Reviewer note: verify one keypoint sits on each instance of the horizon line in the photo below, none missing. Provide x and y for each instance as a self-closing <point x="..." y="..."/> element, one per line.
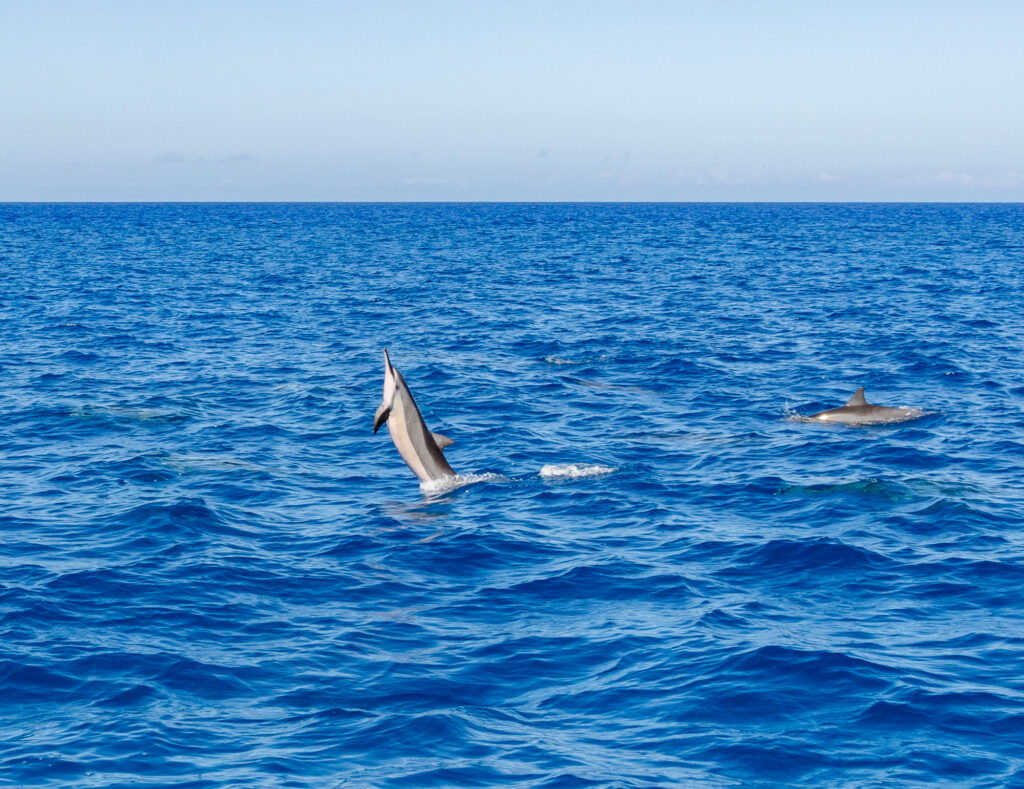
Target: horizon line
<point x="512" y="202"/>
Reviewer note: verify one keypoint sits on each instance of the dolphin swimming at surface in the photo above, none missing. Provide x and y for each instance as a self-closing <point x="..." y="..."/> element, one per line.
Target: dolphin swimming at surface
<point x="419" y="448"/>
<point x="858" y="411"/>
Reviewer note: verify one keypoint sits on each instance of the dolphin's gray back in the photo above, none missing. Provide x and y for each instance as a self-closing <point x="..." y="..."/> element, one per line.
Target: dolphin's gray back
<point x="858" y="411"/>
<point x="863" y="414"/>
<point x="413" y="439"/>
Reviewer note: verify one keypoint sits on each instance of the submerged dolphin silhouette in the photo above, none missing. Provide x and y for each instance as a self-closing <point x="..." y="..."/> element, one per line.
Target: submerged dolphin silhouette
<point x="858" y="411"/>
<point x="419" y="448"/>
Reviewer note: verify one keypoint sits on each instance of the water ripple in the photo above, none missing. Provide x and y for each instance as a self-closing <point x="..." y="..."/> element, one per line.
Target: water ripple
<point x="646" y="573"/>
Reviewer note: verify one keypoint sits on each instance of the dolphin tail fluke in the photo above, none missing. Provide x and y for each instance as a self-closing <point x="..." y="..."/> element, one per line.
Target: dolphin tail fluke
<point x="858" y="398"/>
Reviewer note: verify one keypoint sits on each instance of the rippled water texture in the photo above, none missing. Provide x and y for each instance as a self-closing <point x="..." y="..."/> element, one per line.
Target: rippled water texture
<point x="212" y="574"/>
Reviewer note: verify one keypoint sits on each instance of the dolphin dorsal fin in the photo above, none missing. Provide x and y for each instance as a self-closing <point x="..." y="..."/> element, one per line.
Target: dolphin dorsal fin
<point x="858" y="398"/>
<point x="442" y="441"/>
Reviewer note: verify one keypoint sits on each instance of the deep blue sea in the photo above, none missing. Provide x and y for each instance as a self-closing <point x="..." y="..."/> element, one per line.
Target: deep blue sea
<point x="213" y="574"/>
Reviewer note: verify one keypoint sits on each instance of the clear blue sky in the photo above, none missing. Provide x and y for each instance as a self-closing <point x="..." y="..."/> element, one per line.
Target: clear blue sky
<point x="486" y="100"/>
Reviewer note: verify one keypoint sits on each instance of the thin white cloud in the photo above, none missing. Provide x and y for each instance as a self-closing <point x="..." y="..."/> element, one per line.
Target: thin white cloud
<point x="1009" y="180"/>
<point x="238" y="158"/>
<point x="420" y="181"/>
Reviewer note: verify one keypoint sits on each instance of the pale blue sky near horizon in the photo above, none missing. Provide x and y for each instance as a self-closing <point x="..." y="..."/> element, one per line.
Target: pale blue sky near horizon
<point x="525" y="101"/>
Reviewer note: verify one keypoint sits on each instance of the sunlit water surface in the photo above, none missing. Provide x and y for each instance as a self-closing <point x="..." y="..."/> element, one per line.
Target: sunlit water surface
<point x="212" y="574"/>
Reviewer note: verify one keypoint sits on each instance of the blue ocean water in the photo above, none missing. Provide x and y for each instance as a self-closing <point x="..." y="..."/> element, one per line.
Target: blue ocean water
<point x="212" y="574"/>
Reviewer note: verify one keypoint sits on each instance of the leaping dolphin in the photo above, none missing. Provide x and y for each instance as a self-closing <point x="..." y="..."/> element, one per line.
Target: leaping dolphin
<point x="858" y="411"/>
<point x="419" y="448"/>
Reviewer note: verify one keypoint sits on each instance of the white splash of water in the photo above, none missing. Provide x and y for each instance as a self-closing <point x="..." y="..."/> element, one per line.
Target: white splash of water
<point x="573" y="470"/>
<point x="445" y="484"/>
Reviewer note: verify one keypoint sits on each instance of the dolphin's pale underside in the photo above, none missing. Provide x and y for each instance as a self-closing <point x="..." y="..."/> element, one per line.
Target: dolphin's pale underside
<point x="858" y="411"/>
<point x="420" y="449"/>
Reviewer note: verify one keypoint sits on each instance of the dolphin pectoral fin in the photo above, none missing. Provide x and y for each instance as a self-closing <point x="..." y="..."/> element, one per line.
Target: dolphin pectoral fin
<point x="388" y="398"/>
<point x="858" y="398"/>
<point x="381" y="416"/>
<point x="442" y="441"/>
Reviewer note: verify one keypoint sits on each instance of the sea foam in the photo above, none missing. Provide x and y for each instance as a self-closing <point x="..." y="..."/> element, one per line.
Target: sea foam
<point x="573" y="470"/>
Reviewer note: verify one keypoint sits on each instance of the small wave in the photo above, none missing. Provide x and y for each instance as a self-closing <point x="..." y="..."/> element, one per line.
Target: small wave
<point x="445" y="484"/>
<point x="191" y="463"/>
<point x="128" y="414"/>
<point x="560" y="360"/>
<point x="869" y="488"/>
<point x="573" y="470"/>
